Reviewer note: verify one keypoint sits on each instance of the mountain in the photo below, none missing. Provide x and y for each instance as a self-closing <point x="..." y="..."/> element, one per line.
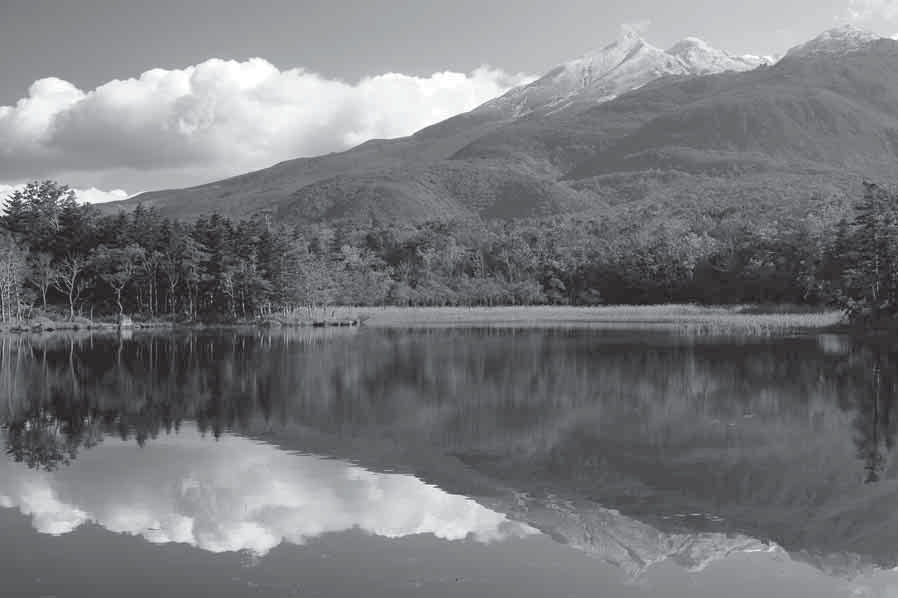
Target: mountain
<point x="624" y="65"/>
<point x="392" y="173"/>
<point x="606" y="130"/>
<point x="838" y="41"/>
<point x="813" y="110"/>
<point x="702" y="59"/>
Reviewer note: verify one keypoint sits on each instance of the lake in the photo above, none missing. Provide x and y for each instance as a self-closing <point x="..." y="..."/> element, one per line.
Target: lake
<point x="448" y="462"/>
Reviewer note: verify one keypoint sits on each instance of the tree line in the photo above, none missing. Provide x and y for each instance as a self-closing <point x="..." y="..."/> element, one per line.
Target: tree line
<point x="57" y="254"/>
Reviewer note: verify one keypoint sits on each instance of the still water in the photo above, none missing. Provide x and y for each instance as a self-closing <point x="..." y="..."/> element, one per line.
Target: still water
<point x="450" y="462"/>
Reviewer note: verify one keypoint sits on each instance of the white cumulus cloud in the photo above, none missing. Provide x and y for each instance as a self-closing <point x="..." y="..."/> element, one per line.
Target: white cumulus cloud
<point x="94" y="195"/>
<point x="872" y="10"/>
<point x="639" y="27"/>
<point x="90" y="195"/>
<point x="220" y="117"/>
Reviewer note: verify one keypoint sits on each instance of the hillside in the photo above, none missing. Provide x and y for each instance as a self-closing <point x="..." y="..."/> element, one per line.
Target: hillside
<point x="386" y="175"/>
<point x="261" y="190"/>
<point x="459" y="189"/>
<point x="820" y="111"/>
<point x="591" y="132"/>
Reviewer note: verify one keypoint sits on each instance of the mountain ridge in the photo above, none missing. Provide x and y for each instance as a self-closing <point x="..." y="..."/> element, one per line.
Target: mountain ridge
<point x="630" y="107"/>
<point x="623" y="65"/>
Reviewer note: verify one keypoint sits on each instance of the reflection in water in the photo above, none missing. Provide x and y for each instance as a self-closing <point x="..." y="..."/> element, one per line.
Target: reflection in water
<point x="877" y="434"/>
<point x="237" y="494"/>
<point x="636" y="449"/>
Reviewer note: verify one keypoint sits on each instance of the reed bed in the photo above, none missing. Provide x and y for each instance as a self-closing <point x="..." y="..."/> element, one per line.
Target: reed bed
<point x="681" y="318"/>
<point x="308" y="316"/>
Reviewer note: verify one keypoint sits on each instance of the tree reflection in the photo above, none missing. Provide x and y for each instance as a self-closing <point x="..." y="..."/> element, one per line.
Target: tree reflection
<point x="39" y="442"/>
<point x="779" y="439"/>
<point x="875" y="420"/>
<point x="586" y="405"/>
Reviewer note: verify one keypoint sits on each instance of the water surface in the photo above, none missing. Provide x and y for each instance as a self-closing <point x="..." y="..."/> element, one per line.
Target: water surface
<point x="450" y="462"/>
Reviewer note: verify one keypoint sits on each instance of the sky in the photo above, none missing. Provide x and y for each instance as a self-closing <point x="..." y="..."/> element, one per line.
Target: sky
<point x="115" y="97"/>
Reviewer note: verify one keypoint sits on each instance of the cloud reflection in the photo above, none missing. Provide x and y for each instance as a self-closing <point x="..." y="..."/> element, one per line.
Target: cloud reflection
<point x="236" y="494"/>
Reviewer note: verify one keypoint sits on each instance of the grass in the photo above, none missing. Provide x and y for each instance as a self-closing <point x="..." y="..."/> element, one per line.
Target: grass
<point x="690" y="319"/>
<point x="679" y="318"/>
<point x="48" y="324"/>
<point x="55" y="322"/>
<point x="52" y="322"/>
<point x="308" y="316"/>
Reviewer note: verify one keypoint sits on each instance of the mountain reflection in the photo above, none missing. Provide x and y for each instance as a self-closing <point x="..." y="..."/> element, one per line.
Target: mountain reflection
<point x="768" y="439"/>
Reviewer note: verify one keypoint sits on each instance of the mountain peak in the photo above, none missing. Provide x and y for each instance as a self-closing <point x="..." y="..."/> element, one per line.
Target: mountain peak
<point x="628" y="33"/>
<point x="628" y="41"/>
<point x="839" y="40"/>
<point x="688" y="43"/>
<point x="700" y="58"/>
<point x="627" y="63"/>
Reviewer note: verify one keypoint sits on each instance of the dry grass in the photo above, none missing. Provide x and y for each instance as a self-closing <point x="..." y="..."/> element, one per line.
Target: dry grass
<point x="691" y="319"/>
<point x="307" y="316"/>
<point x="686" y="318"/>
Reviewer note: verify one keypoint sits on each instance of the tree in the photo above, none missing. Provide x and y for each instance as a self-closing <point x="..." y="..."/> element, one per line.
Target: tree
<point x="117" y="267"/>
<point x="70" y="279"/>
<point x="42" y="274"/>
<point x="872" y="276"/>
<point x="16" y="216"/>
<point x="318" y="282"/>
<point x="36" y="212"/>
<point x="151" y="263"/>
<point x="192" y="267"/>
<point x="12" y="276"/>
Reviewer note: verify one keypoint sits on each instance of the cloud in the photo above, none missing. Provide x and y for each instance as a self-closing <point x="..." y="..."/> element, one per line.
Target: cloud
<point x="94" y="195"/>
<point x="237" y="494"/>
<point x="639" y="28"/>
<point x="872" y="10"/>
<point x="222" y="117"/>
<point x="90" y="195"/>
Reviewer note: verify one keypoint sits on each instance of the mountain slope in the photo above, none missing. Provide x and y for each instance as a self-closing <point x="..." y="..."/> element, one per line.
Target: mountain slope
<point x="262" y="190"/>
<point x="455" y="189"/>
<point x="579" y="138"/>
<point x="814" y="109"/>
<point x="387" y="172"/>
<point x="839" y="40"/>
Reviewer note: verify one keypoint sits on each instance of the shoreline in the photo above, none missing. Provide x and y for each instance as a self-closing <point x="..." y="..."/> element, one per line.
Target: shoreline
<point x="690" y="319"/>
<point x="685" y="318"/>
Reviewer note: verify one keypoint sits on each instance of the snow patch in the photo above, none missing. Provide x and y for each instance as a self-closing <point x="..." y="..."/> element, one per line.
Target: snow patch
<point x="624" y="65"/>
<point x="837" y="41"/>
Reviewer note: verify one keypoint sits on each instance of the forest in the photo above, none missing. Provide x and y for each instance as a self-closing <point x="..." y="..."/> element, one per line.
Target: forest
<point x="63" y="258"/>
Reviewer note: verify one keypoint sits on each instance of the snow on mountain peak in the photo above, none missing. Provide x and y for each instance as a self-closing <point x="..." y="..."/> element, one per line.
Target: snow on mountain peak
<point x="701" y="58"/>
<point x="690" y="43"/>
<point x="629" y="33"/>
<point x="625" y="64"/>
<point x="629" y="62"/>
<point x="839" y="40"/>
